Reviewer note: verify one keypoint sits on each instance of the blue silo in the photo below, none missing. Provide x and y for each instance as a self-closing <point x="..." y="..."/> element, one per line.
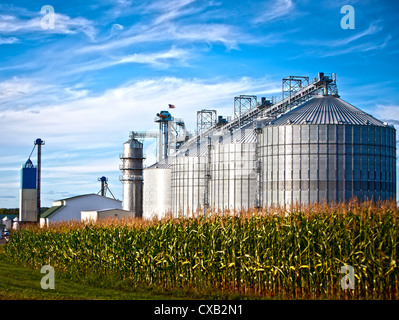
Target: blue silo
<point x="28" y="193"/>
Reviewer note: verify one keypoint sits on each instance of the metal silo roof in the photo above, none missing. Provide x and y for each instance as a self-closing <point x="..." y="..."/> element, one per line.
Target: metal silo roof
<point x="327" y="110"/>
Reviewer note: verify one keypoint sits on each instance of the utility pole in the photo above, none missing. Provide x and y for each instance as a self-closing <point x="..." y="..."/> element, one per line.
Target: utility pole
<point x="39" y="142"/>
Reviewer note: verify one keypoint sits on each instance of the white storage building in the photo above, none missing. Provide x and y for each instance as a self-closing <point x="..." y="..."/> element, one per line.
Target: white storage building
<point x="70" y="208"/>
<point x="95" y="215"/>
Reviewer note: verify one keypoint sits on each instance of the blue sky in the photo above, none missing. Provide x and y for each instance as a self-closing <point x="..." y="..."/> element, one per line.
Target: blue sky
<point x="109" y="66"/>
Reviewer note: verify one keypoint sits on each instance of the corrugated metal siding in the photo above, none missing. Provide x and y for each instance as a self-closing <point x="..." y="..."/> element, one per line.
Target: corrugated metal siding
<point x="233" y="183"/>
<point x="157" y="197"/>
<point x="308" y="163"/>
<point x="231" y="167"/>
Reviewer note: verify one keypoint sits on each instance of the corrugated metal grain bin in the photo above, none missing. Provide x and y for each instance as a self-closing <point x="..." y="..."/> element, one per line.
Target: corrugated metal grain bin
<point x="188" y="180"/>
<point x="327" y="150"/>
<point x="157" y="198"/>
<point x="233" y="184"/>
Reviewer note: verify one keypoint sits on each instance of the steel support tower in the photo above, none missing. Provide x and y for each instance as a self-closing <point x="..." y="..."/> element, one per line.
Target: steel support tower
<point x="205" y="119"/>
<point x="243" y="104"/>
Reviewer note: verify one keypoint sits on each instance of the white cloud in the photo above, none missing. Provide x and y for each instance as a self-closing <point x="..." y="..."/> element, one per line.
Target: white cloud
<point x="156" y="59"/>
<point x="67" y="25"/>
<point x="170" y="10"/>
<point x="372" y="29"/>
<point x="225" y="34"/>
<point x="8" y="40"/>
<point x="117" y="26"/>
<point x="179" y="22"/>
<point x="31" y="94"/>
<point x="360" y="42"/>
<point x="212" y="33"/>
<point x="274" y="10"/>
<point x="363" y="47"/>
<point x="108" y="118"/>
<point x="387" y="113"/>
<point x="16" y="88"/>
<point x="13" y="24"/>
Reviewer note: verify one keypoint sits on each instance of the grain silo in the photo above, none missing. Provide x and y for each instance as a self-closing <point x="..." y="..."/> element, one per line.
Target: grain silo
<point x="327" y="150"/>
<point x="28" y="193"/>
<point x="188" y="179"/>
<point x="310" y="146"/>
<point x="217" y="172"/>
<point x="232" y="174"/>
<point x="132" y="178"/>
<point x="157" y="200"/>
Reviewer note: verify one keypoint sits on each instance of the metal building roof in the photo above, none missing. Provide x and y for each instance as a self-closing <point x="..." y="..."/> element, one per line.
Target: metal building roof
<point x="326" y="110"/>
<point x="49" y="212"/>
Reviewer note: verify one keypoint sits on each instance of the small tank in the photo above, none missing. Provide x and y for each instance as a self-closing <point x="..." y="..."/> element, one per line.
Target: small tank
<point x="132" y="177"/>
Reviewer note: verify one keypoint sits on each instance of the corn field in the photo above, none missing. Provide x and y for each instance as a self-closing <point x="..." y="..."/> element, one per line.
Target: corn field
<point x="275" y="252"/>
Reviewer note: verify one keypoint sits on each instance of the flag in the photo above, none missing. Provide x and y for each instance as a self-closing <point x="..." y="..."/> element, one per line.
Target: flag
<point x="171" y="106"/>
